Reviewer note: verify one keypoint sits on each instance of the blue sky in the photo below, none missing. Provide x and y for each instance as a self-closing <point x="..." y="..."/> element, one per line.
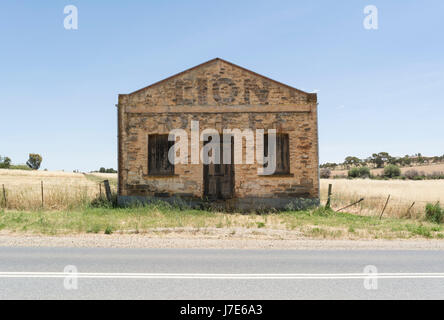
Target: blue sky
<point x="379" y="90"/>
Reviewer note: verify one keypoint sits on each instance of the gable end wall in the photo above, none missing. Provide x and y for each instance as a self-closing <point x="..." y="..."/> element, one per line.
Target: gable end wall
<point x="219" y="95"/>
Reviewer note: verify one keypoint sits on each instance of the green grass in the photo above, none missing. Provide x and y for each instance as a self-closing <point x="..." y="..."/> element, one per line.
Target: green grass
<point x="260" y="224"/>
<point x="158" y="218"/>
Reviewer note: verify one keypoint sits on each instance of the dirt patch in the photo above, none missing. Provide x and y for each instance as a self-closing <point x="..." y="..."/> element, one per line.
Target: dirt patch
<point x="234" y="239"/>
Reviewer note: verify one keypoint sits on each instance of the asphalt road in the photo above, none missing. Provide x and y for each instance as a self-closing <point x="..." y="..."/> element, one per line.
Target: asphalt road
<point x="97" y="273"/>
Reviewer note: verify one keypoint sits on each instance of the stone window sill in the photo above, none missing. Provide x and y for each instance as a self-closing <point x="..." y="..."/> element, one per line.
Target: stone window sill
<point x="277" y="175"/>
<point x="160" y="175"/>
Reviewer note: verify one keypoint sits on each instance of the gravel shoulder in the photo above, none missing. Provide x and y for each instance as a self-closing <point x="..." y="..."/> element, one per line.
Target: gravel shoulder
<point x="185" y="239"/>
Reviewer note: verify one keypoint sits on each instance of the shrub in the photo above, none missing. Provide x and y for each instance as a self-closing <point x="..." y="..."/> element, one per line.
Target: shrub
<point x="421" y="175"/>
<point x="411" y="174"/>
<point x="363" y="172"/>
<point x="353" y="173"/>
<point x="434" y="213"/>
<point x="108" y="230"/>
<point x="435" y="175"/>
<point x="5" y="162"/>
<point x="102" y="202"/>
<point x="325" y="173"/>
<point x="299" y="204"/>
<point x="392" y="171"/>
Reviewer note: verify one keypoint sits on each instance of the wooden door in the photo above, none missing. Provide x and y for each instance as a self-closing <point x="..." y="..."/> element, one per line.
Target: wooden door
<point x="219" y="178"/>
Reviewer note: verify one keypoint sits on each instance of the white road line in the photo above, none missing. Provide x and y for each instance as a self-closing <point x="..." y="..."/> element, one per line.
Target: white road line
<point x="242" y="276"/>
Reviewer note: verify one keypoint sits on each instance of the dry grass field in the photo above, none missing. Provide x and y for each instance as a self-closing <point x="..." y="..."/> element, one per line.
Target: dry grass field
<point x="61" y="190"/>
<point x="427" y="169"/>
<point x="67" y="210"/>
<point x="375" y="192"/>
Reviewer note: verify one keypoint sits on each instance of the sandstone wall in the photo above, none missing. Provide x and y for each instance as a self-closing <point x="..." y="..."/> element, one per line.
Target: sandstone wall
<point x="222" y="96"/>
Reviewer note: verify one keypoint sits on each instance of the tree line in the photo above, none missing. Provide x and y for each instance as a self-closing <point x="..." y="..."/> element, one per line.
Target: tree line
<point x="34" y="162"/>
<point x="381" y="159"/>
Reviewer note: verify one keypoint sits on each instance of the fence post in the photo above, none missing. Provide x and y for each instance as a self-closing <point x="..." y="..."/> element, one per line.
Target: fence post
<point x="327" y="205"/>
<point x="42" y="192"/>
<point x="4" y="196"/>
<point x="107" y="190"/>
<point x="100" y="190"/>
<point x="388" y="198"/>
<point x="408" y="211"/>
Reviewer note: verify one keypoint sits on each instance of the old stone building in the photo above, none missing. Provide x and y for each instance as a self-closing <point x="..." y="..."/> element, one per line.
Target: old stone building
<point x="220" y="95"/>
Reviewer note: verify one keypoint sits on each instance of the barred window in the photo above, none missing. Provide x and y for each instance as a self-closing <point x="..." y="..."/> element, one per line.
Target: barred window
<point x="282" y="153"/>
<point x="158" y="163"/>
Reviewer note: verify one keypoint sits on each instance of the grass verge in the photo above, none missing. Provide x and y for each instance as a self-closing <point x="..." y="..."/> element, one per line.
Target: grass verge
<point x="161" y="219"/>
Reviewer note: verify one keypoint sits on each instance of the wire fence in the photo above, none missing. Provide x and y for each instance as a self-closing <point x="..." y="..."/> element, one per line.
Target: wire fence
<point x="377" y="205"/>
<point x="53" y="196"/>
